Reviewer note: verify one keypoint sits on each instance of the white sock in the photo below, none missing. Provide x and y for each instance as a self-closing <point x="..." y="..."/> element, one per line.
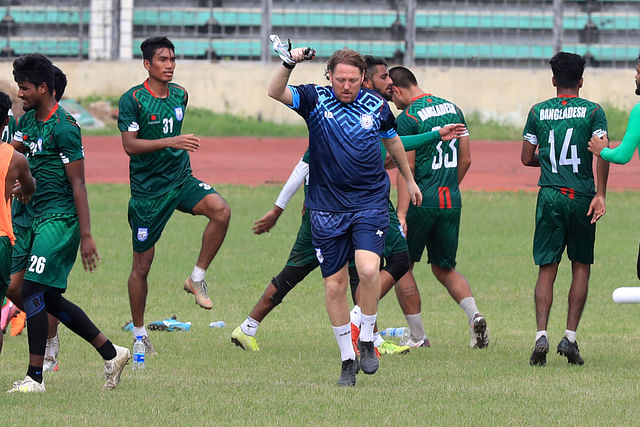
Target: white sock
<point x="366" y="327"/>
<point x="250" y="326"/>
<point x="571" y="335"/>
<point x="416" y="329"/>
<point x="52" y="347"/>
<point x="356" y="315"/>
<point x="139" y="331"/>
<point x="541" y="333"/>
<point x="197" y="275"/>
<point x="468" y="304"/>
<point x="377" y="339"/>
<point x="343" y="336"/>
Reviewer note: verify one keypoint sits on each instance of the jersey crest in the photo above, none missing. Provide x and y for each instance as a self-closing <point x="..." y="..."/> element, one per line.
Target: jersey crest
<point x="366" y="121"/>
<point x="179" y="113"/>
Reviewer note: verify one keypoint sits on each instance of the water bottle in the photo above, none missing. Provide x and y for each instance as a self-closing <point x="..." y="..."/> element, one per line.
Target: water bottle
<point x="138" y="353"/>
<point x="399" y="334"/>
<point x="217" y="324"/>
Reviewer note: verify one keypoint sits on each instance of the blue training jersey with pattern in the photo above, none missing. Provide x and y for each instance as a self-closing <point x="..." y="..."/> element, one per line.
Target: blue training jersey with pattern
<point x="346" y="170"/>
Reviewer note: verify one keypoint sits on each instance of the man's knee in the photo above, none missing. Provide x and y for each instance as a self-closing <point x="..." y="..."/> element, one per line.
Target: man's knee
<point x="442" y="273"/>
<point x="214" y="207"/>
<point x="142" y="263"/>
<point x="397" y="265"/>
<point x="368" y="272"/>
<point x="286" y="280"/>
<point x="335" y="288"/>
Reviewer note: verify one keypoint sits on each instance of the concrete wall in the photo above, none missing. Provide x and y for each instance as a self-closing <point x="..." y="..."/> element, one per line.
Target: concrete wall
<point x="240" y="88"/>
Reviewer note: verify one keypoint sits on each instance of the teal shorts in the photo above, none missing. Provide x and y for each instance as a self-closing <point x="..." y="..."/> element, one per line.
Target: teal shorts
<point x="562" y="221"/>
<point x="436" y="230"/>
<point x="56" y="238"/>
<point x="303" y="254"/>
<point x="20" y="253"/>
<point x="148" y="217"/>
<point x="5" y="266"/>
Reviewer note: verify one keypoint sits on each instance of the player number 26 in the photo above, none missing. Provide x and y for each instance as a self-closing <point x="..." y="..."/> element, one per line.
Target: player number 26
<point x="37" y="264"/>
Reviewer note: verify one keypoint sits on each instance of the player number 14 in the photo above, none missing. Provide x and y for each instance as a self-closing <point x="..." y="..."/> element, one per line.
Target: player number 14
<point x="574" y="160"/>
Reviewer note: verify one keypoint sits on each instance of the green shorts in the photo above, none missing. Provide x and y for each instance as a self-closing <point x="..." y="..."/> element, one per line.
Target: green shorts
<point x="396" y="241"/>
<point x="562" y="221"/>
<point x="434" y="229"/>
<point x="20" y="253"/>
<point x="303" y="254"/>
<point x="148" y="217"/>
<point x="5" y="266"/>
<point x="56" y="238"/>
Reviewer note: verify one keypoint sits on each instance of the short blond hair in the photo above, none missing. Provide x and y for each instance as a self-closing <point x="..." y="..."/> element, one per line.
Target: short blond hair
<point x="349" y="57"/>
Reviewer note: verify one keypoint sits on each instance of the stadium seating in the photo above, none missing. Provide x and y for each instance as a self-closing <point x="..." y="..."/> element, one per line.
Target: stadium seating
<point x="458" y="31"/>
<point x="66" y="28"/>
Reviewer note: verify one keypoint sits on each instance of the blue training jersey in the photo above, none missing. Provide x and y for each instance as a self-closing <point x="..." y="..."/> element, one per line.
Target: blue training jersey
<point x="346" y="171"/>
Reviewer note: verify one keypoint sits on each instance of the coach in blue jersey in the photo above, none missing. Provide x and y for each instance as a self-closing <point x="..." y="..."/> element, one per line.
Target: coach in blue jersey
<point x="348" y="189"/>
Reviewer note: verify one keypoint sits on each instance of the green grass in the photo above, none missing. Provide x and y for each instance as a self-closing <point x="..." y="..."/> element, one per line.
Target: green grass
<point x="204" y="122"/>
<point x="201" y="378"/>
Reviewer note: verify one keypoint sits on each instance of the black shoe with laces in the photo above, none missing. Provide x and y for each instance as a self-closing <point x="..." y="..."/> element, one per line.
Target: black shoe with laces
<point x="540" y="350"/>
<point x="368" y="359"/>
<point x="570" y="351"/>
<point x="348" y="374"/>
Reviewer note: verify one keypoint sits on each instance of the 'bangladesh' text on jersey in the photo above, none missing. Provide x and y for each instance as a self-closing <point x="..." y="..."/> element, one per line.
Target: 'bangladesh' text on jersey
<point x="52" y="144"/>
<point x="436" y="169"/>
<point x="346" y="170"/>
<point x="561" y="127"/>
<point x="153" y="174"/>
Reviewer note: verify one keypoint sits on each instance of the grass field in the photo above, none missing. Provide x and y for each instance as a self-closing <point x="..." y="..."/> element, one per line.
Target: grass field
<point x="200" y="378"/>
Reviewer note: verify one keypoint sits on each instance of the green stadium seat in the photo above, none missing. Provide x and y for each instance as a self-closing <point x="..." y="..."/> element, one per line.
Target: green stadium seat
<point x="41" y="15"/>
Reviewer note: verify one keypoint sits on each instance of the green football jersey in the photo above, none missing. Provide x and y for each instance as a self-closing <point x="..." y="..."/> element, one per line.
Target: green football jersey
<point x="52" y="144"/>
<point x="21" y="214"/>
<point x="9" y="129"/>
<point x="436" y="169"/>
<point x="561" y="127"/>
<point x="153" y="174"/>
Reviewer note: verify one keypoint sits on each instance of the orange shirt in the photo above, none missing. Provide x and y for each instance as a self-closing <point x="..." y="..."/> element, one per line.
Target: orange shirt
<point x="6" y="229"/>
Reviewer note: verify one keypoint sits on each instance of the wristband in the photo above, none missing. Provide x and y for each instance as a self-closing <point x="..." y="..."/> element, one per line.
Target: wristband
<point x="288" y="66"/>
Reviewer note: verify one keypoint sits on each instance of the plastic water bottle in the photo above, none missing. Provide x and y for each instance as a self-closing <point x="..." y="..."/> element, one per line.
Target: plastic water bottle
<point x="399" y="334"/>
<point x="217" y="324"/>
<point x="138" y="353"/>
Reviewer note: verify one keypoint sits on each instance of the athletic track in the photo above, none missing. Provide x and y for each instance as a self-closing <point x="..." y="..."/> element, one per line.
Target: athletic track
<point x="257" y="161"/>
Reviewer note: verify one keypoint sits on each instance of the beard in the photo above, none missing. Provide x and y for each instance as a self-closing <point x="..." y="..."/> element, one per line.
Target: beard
<point x="637" y="88"/>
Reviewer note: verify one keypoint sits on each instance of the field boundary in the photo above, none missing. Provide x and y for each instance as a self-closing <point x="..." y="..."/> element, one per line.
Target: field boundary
<point x="261" y="161"/>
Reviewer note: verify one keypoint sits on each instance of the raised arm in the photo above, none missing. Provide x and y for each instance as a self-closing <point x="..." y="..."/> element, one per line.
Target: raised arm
<point x="278" y="86"/>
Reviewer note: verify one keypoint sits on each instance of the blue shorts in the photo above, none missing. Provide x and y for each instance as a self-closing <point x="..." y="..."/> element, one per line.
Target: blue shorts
<point x="336" y="235"/>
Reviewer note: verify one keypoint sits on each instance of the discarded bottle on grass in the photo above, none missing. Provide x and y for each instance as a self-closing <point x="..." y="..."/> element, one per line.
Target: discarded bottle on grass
<point x="217" y="324"/>
<point x="399" y="334"/>
<point x="138" y="353"/>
